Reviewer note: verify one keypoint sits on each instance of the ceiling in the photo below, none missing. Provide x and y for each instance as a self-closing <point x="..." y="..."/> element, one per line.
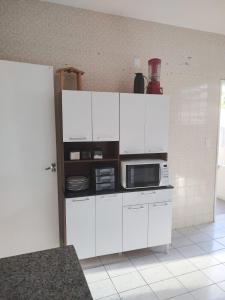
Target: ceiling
<point x="205" y="15"/>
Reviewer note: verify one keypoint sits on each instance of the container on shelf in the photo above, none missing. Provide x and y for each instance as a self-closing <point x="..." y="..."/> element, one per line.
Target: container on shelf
<point x="74" y="155"/>
<point x="85" y="154"/>
<point x="97" y="154"/>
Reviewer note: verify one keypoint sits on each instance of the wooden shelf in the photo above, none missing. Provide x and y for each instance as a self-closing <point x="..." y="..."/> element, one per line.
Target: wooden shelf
<point x="90" y="160"/>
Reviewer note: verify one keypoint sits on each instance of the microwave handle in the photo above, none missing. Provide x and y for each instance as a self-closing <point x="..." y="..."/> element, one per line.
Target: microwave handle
<point x="160" y="176"/>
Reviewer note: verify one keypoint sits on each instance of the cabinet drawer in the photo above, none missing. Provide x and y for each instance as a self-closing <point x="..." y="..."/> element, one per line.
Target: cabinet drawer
<point x="146" y="196"/>
<point x="134" y="198"/>
<point x="161" y="196"/>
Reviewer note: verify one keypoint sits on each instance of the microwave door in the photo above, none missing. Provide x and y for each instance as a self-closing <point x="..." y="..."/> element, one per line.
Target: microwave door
<point x="141" y="176"/>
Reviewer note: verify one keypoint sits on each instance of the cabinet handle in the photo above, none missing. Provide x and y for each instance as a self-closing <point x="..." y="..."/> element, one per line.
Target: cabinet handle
<point x="105" y="137"/>
<point x="77" y="138"/>
<point x="136" y="207"/>
<point x="156" y="150"/>
<point x="160" y="204"/>
<point x="85" y="199"/>
<point x="109" y="196"/>
<point x="148" y="193"/>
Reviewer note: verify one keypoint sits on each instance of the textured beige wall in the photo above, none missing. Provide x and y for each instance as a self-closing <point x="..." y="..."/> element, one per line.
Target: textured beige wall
<point x="104" y="46"/>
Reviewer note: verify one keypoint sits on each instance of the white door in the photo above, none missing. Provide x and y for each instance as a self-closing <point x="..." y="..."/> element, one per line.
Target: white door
<point x="28" y="192"/>
<point x="160" y="224"/>
<point x="80" y="225"/>
<point x="108" y="224"/>
<point x="157" y="124"/>
<point x="76" y="111"/>
<point x="135" y="227"/>
<point x="132" y="123"/>
<point x="105" y="116"/>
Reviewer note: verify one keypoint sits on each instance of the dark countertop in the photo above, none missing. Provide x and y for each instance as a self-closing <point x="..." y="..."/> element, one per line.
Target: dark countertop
<point x="118" y="190"/>
<point x="44" y="275"/>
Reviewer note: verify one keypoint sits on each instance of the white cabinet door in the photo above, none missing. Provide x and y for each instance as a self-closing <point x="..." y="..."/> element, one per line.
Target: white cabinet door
<point x="160" y="224"/>
<point x="76" y="111"/>
<point x="132" y="123"/>
<point x="135" y="227"/>
<point x="80" y="225"/>
<point x="157" y="123"/>
<point x="108" y="224"/>
<point x="105" y="116"/>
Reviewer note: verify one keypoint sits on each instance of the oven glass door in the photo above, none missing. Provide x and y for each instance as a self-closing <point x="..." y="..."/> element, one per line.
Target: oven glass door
<point x="142" y="175"/>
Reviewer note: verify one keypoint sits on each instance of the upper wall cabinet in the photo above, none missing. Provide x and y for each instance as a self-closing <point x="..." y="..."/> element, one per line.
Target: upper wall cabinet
<point x="157" y="123"/>
<point x="90" y="116"/>
<point x="105" y="116"/>
<point x="76" y="112"/>
<point x="143" y="123"/>
<point x="132" y="123"/>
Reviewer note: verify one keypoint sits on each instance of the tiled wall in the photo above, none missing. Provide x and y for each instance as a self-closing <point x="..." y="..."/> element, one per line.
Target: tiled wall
<point x="104" y="46"/>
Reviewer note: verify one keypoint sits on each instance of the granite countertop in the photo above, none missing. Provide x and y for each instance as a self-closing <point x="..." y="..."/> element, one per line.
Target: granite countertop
<point x="44" y="275"/>
<point x="117" y="190"/>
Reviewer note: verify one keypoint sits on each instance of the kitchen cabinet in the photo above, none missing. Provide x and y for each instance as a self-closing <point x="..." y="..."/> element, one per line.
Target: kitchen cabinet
<point x="157" y="124"/>
<point x="132" y="123"/>
<point x="160" y="224"/>
<point x="135" y="227"/>
<point x="80" y="224"/>
<point x="76" y="116"/>
<point x="144" y="123"/>
<point x="108" y="224"/>
<point x="105" y="116"/>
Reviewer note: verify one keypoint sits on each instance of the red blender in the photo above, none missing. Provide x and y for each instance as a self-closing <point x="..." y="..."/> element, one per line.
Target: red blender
<point x="154" y="68"/>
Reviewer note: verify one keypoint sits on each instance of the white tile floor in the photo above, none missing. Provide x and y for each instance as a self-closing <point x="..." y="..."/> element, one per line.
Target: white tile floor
<point x="194" y="269"/>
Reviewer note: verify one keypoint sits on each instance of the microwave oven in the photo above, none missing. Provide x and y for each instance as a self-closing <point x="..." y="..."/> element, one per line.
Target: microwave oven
<point x="144" y="173"/>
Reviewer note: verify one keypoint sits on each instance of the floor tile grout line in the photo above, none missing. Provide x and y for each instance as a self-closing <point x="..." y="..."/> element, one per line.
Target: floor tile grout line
<point x="141" y="287"/>
<point x="209" y="253"/>
<point x="161" y="263"/>
<point x="145" y="280"/>
<point x="190" y="291"/>
<point x="111" y="280"/>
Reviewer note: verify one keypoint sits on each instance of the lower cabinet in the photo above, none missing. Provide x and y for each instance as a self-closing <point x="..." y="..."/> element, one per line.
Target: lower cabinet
<point x="135" y="227"/>
<point x="160" y="224"/>
<point x="113" y="223"/>
<point x="80" y="224"/>
<point x="108" y="224"/>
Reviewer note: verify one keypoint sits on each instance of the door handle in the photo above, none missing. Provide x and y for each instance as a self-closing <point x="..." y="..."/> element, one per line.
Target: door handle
<point x="52" y="167"/>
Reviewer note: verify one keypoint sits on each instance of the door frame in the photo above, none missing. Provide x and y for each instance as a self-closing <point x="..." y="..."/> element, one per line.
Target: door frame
<point x="217" y="149"/>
